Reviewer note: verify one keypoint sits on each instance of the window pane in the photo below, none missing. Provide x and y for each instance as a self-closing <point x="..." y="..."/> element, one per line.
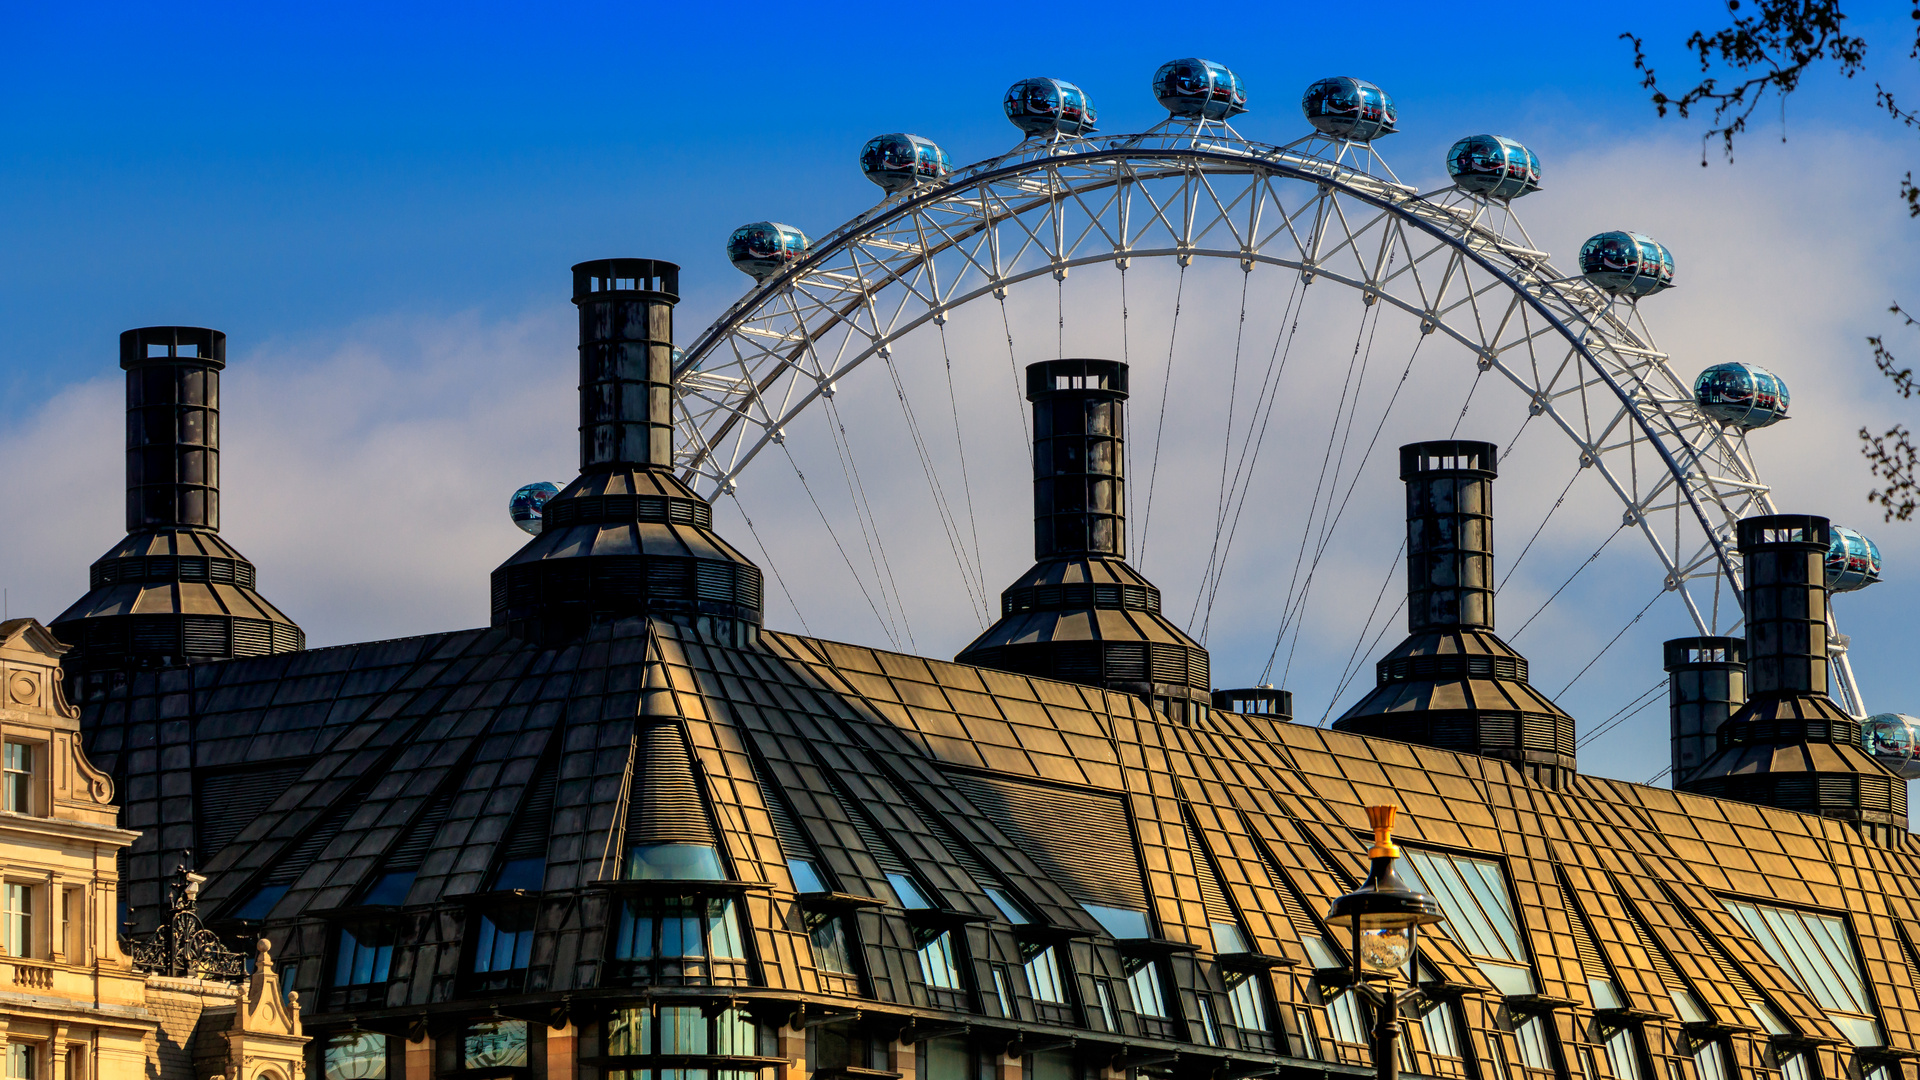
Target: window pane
<point x="1817" y="953"/>
<point x="1508" y="979"/>
<point x="1473" y="893"/>
<point x="357" y="1056"/>
<point x="1227" y="938"/>
<point x="831" y="950"/>
<point x="1709" y="1060"/>
<point x="1009" y="1004"/>
<point x="1007" y="907"/>
<point x="1623" y="1058"/>
<point x="483" y="945"/>
<point x="1320" y="953"/>
<point x="1605" y="994"/>
<point x="1497" y="1056"/>
<point x="496" y="1044"/>
<point x="1343" y="1016"/>
<point x="1531" y="1037"/>
<point x="630" y="1031"/>
<point x="1309" y="1042"/>
<point x="527" y="874"/>
<point x="390" y="889"/>
<point x="19" y="919"/>
<point x="1043" y="977"/>
<point x="805" y="878"/>
<point x="674" y="862"/>
<point x="19" y="778"/>
<point x="1209" y="1024"/>
<point x="1437" y="1025"/>
<point x="1109" y="1012"/>
<point x="1144" y="986"/>
<point x="682" y="1031"/>
<point x="1248" y="1004"/>
<point x="908" y="891"/>
<point x="949" y="1058"/>
<point x="937" y="964"/>
<point x="1120" y="924"/>
<point x="736" y="1034"/>
<point x="260" y="904"/>
<point x="635" y="938"/>
<point x="723" y="931"/>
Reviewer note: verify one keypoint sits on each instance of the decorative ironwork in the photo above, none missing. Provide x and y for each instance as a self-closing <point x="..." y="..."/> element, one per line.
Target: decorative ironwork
<point x="182" y="946"/>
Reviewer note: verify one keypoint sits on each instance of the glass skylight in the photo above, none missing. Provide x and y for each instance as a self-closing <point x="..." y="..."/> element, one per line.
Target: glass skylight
<point x="1817" y="953"/>
<point x="1473" y="896"/>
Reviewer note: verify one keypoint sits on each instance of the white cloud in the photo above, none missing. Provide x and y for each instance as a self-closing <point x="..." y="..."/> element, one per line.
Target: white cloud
<point x="367" y="475"/>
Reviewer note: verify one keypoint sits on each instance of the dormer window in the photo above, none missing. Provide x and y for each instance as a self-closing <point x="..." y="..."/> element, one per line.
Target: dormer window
<point x="16" y="778"/>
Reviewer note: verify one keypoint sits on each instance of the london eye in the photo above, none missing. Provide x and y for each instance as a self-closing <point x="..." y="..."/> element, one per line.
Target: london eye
<point x="1314" y="222"/>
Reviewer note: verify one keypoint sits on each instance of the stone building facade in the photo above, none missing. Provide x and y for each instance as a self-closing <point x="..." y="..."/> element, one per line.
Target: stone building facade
<point x="73" y="1004"/>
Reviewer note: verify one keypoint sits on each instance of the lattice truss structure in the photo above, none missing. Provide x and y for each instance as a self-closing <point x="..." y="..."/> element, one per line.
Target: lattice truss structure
<point x="1329" y="210"/>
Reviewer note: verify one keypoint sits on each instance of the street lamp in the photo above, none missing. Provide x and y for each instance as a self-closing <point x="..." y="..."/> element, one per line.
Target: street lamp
<point x="1383" y="914"/>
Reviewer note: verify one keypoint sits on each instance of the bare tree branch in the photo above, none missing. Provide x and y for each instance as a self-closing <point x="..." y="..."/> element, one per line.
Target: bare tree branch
<point x="1898" y="465"/>
<point x="1780" y="40"/>
<point x="1902" y="378"/>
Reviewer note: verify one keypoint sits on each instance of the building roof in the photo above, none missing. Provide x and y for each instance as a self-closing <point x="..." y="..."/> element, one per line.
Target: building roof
<point x="322" y="770"/>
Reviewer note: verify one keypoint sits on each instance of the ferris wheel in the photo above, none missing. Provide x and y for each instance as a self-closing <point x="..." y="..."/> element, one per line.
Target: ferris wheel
<point x="1326" y="209"/>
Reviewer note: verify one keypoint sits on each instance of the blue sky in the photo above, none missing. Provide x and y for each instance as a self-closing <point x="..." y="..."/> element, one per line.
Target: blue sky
<point x="379" y="204"/>
<point x="276" y="171"/>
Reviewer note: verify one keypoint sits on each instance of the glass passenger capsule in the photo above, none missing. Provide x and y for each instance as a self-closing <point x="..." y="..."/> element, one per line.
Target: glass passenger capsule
<point x="1892" y="739"/>
<point x="1627" y="263"/>
<point x="528" y="505"/>
<point x="1047" y="106"/>
<point x="764" y="248"/>
<point x="899" y="161"/>
<point x="1853" y="561"/>
<point x="1199" y="89"/>
<point x="1348" y="108"/>
<point x="1493" y="166"/>
<point x="1743" y="394"/>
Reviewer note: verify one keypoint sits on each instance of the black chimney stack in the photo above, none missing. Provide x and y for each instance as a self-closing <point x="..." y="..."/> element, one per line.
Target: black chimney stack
<point x="1706" y="684"/>
<point x="173" y="426"/>
<point x="1453" y="684"/>
<point x="193" y="592"/>
<point x="1082" y="614"/>
<point x="1790" y="746"/>
<point x="626" y="362"/>
<point x="626" y="538"/>
<point x="1449" y="534"/>
<point x="1079" y="440"/>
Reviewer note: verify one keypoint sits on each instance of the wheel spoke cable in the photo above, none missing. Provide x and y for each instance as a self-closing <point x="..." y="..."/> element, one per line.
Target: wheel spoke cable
<point x="1631" y="623"/>
<point x="1126" y="358"/>
<point x="1226" y="454"/>
<point x="1251" y="444"/>
<point x="1355" y="663"/>
<point x="1013" y="365"/>
<point x="949" y="525"/>
<point x="1288" y="606"/>
<point x="1353" y="481"/>
<point x="885" y="627"/>
<point x="1623" y="714"/>
<point x="768" y="559"/>
<point x="966" y="484"/>
<point x="1160" y="426"/>
<point x="869" y="525"/>
<point x="1564" y="584"/>
<point x="1515" y="565"/>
